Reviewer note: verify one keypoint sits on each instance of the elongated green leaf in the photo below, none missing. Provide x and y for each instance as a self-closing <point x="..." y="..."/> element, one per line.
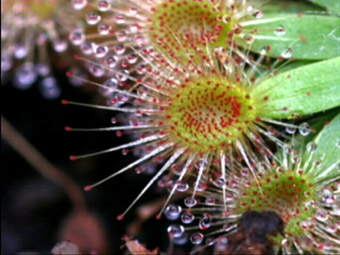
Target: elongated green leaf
<point x="304" y="90"/>
<point x="294" y="35"/>
<point x="331" y="5"/>
<point x="286" y="6"/>
<point x="328" y="150"/>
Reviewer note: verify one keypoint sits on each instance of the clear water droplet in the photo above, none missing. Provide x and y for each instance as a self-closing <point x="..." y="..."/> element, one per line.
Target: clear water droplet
<point x="221" y="243"/>
<point x="219" y="182"/>
<point x="86" y="48"/>
<point x="78" y="4"/>
<point x="209" y="241"/>
<point x="101" y="51"/>
<point x="104" y="5"/>
<point x="210" y="201"/>
<point x="304" y="129"/>
<point x="77" y="37"/>
<point x="337" y="143"/>
<point x="287" y="53"/>
<point x="60" y="45"/>
<point x="119" y="49"/>
<point x="291" y="130"/>
<point x="120" y="19"/>
<point x="50" y="88"/>
<point x="121" y="36"/>
<point x="175" y="231"/>
<point x="172" y="212"/>
<point x="42" y="69"/>
<point x="190" y="202"/>
<point x="257" y="14"/>
<point x="104" y="29"/>
<point x="280" y="31"/>
<point x="205" y="222"/>
<point x="197" y="238"/>
<point x="312" y="147"/>
<point x="187" y="218"/>
<point x="182" y="186"/>
<point x="249" y="38"/>
<point x="132" y="58"/>
<point x="6" y="62"/>
<point x="92" y="18"/>
<point x="25" y="76"/>
<point x="97" y="70"/>
<point x="321" y="215"/>
<point x="20" y="51"/>
<point x="111" y="61"/>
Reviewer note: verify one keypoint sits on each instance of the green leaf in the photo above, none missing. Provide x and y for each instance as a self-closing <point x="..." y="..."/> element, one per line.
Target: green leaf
<point x="331" y="5"/>
<point x="301" y="91"/>
<point x="284" y="6"/>
<point x="328" y="150"/>
<point x="310" y="37"/>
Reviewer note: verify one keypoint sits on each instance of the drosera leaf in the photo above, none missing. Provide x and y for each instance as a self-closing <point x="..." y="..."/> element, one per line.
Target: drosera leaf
<point x="298" y="36"/>
<point x="331" y="5"/>
<point x="328" y="150"/>
<point x="301" y="91"/>
<point x="290" y="6"/>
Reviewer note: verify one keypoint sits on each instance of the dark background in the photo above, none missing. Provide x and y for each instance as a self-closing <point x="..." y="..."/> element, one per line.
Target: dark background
<point x="34" y="209"/>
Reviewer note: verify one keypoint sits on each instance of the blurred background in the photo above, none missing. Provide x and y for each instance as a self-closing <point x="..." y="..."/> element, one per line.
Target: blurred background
<point x="36" y="213"/>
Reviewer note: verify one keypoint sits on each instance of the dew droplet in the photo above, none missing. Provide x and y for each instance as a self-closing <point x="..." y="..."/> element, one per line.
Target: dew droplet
<point x="221" y="243"/>
<point x="60" y="45"/>
<point x="280" y="31"/>
<point x="287" y="53"/>
<point x="6" y="62"/>
<point x="304" y="129"/>
<point x="20" y="51"/>
<point x="25" y="76"/>
<point x="175" y="231"/>
<point x="92" y="18"/>
<point x="120" y="19"/>
<point x="321" y="215"/>
<point x="49" y="88"/>
<point x="187" y="218"/>
<point x="101" y="51"/>
<point x="42" y="69"/>
<point x="132" y="58"/>
<point x="182" y="186"/>
<point x="337" y="143"/>
<point x="121" y="36"/>
<point x="197" y="238"/>
<point x="104" y="29"/>
<point x="119" y="49"/>
<point x="79" y="4"/>
<point x="97" y="70"/>
<point x="205" y="222"/>
<point x="291" y="130"/>
<point x="219" y="182"/>
<point x="86" y="48"/>
<point x="210" y="241"/>
<point x="190" y="202"/>
<point x="172" y="212"/>
<point x="103" y="5"/>
<point x="257" y="14"/>
<point x="210" y="201"/>
<point x="249" y="38"/>
<point x="77" y="37"/>
<point x="311" y="147"/>
<point x="111" y="61"/>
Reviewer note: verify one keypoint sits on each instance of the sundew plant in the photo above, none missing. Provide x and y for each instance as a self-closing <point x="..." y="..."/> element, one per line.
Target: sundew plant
<point x="214" y="93"/>
<point x="34" y="43"/>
